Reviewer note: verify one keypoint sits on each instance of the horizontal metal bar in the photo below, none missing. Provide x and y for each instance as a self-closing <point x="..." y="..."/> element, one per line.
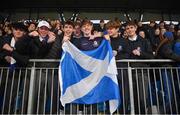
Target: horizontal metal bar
<point x="123" y="60"/>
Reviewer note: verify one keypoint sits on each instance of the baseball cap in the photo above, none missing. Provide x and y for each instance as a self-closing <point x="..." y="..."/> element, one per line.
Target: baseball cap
<point x="43" y="23"/>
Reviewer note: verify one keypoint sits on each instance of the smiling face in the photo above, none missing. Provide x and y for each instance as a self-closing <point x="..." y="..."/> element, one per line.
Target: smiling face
<point x="68" y="30"/>
<point x="112" y="32"/>
<point x="43" y="31"/>
<point x="113" y="28"/>
<point x="131" y="30"/>
<point x="87" y="29"/>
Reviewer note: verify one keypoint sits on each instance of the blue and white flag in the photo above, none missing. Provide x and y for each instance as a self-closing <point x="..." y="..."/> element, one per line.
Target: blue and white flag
<point x="89" y="77"/>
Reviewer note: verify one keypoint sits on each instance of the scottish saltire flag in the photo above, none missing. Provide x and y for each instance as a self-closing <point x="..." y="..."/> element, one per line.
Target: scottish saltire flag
<point x="89" y="77"/>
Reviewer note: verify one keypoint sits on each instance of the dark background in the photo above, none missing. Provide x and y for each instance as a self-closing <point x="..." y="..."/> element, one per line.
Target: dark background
<point x="93" y="5"/>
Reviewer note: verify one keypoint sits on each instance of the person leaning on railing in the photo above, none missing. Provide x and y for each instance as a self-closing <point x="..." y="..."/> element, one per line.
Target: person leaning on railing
<point x="88" y="41"/>
<point x="135" y="47"/>
<point x="118" y="43"/>
<point x="55" y="53"/>
<point x="15" y="53"/>
<point x="42" y="42"/>
<point x="16" y="46"/>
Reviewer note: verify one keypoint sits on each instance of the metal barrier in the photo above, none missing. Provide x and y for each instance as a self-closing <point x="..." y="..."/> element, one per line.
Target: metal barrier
<point x="144" y="89"/>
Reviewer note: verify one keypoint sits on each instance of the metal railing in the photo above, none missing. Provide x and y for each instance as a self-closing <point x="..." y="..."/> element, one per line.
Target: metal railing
<point x="151" y="88"/>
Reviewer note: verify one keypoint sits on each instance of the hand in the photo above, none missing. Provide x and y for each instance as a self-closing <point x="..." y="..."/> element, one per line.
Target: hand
<point x="96" y="34"/>
<point x="114" y="52"/>
<point x="7" y="47"/>
<point x="8" y="59"/>
<point x="34" y="33"/>
<point x="66" y="38"/>
<point x="59" y="32"/>
<point x="92" y="37"/>
<point x="107" y="37"/>
<point x="136" y="52"/>
<point x="52" y="37"/>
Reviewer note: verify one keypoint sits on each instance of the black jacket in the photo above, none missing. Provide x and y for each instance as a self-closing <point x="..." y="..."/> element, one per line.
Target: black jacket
<point x="145" y="48"/>
<point x="55" y="51"/>
<point x="40" y="49"/>
<point x="118" y="44"/>
<point x="21" y="52"/>
<point x="143" y="44"/>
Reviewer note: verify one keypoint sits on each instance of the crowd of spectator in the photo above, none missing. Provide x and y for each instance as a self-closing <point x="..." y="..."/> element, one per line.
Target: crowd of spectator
<point x="21" y="41"/>
<point x="153" y="31"/>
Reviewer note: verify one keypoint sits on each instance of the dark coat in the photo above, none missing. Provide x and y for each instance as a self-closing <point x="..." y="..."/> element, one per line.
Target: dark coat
<point x="128" y="46"/>
<point x="143" y="44"/>
<point x="40" y="49"/>
<point x="21" y="52"/>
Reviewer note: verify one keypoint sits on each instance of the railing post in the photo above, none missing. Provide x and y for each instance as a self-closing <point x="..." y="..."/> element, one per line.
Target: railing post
<point x="31" y="91"/>
<point x="131" y="89"/>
